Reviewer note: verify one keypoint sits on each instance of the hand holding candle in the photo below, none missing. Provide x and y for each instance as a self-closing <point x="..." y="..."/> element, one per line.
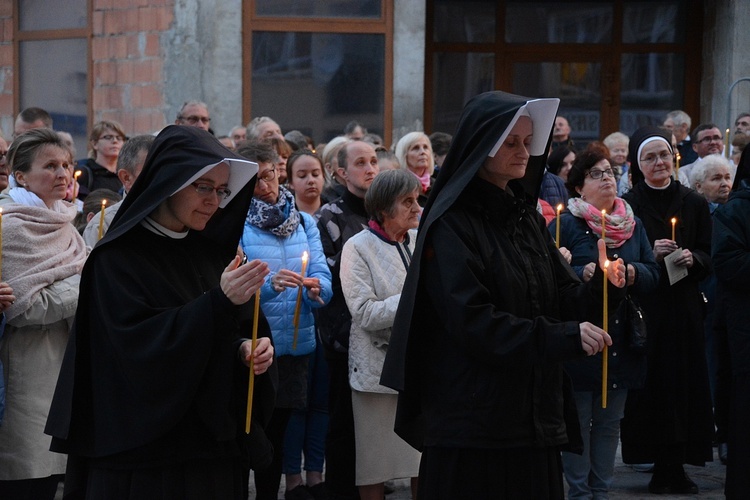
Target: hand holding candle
<point x="557" y="231"/>
<point x="299" y="301"/>
<point x="101" y="218"/>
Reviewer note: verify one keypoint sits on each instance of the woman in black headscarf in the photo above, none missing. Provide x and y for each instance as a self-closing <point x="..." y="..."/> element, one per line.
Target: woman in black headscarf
<point x="731" y="258"/>
<point x="151" y="397"/>
<point x="669" y="422"/>
<point x="487" y="315"/>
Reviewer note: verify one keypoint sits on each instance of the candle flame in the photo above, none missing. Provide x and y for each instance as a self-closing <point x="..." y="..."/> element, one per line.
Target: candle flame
<point x="104" y="202"/>
<point x="304" y="256"/>
<point x="559" y="208"/>
<point x="679" y="156"/>
<point x="606" y="264"/>
<point x="77" y="174"/>
<point x="674" y="220"/>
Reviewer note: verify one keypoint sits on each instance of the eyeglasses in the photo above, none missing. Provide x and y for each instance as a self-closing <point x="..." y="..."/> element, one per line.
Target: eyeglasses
<point x="267" y="175"/>
<point x="207" y="189"/>
<point x="597" y="174"/>
<point x="195" y="119"/>
<point x="111" y="138"/>
<point x="713" y="138"/>
<point x="652" y="159"/>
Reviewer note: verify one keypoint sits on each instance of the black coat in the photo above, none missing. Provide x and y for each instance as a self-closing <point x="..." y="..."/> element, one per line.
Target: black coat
<point x="478" y="341"/>
<point x="731" y="256"/>
<point x="673" y="411"/>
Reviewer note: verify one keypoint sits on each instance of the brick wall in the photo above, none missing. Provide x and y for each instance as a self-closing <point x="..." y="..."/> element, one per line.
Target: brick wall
<point x="127" y="55"/>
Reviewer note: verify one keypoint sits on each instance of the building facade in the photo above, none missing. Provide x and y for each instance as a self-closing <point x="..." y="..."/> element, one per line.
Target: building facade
<point x="393" y="65"/>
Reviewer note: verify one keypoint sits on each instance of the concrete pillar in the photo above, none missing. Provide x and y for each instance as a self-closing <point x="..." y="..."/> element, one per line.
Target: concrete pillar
<point x="409" y="18"/>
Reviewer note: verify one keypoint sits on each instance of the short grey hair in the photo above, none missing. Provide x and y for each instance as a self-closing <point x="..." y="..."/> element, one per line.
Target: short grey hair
<point x="708" y="164"/>
<point x="679" y="117"/>
<point x="192" y="102"/>
<point x="131" y="152"/>
<point x="385" y="191"/>
<point x="252" y="127"/>
<point x="615" y="139"/>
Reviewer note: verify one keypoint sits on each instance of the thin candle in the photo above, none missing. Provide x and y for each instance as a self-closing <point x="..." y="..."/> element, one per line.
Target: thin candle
<point x="678" y="157"/>
<point x="101" y="219"/>
<point x="557" y="231"/>
<point x="299" y="301"/>
<point x="726" y="144"/>
<point x="251" y="381"/>
<point x="604" y="226"/>
<point x="674" y="223"/>
<point x="605" y="327"/>
<point x="75" y="185"/>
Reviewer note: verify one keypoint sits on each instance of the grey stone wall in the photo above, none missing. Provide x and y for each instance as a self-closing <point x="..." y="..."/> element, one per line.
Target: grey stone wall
<point x="409" y="18"/>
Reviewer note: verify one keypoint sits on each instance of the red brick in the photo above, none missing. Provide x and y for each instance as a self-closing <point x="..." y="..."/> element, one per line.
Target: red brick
<point x="6" y="8"/>
<point x="147" y="18"/>
<point x="131" y="20"/>
<point x="165" y="17"/>
<point x="157" y="65"/>
<point x="112" y="22"/>
<point x="100" y="48"/>
<point x="105" y="72"/>
<point x="100" y="97"/>
<point x="124" y="72"/>
<point x="118" y="47"/>
<point x="152" y="45"/>
<point x="151" y="96"/>
<point x="6" y="104"/>
<point x="97" y="22"/>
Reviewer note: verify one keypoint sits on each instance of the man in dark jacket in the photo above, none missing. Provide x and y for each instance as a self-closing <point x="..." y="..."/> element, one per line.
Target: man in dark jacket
<point x="338" y="221"/>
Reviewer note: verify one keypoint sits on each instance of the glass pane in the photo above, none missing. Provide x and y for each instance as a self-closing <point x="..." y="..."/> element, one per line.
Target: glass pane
<point x="651" y="86"/>
<point x="459" y="21"/>
<point x="53" y="77"/>
<point x="318" y="8"/>
<point x="46" y="15"/>
<point x="653" y="22"/>
<point x="318" y="82"/>
<point x="457" y="78"/>
<point x="558" y="22"/>
<point x="578" y="85"/>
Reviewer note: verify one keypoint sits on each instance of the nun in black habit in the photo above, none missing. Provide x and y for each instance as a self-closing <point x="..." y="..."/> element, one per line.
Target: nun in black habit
<point x="488" y="314"/>
<point x="151" y="397"/>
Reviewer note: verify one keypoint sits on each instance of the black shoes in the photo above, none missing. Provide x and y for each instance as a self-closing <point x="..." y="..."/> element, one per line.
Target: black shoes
<point x="671" y="479"/>
<point x="723" y="453"/>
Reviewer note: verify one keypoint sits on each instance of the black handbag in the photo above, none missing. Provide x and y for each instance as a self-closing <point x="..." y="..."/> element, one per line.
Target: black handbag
<point x="635" y="326"/>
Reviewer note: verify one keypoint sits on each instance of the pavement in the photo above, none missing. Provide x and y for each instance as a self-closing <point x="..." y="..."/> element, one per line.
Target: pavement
<point x="627" y="483"/>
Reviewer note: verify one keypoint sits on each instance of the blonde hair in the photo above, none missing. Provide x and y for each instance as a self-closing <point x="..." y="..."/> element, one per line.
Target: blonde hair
<point x="406" y="142"/>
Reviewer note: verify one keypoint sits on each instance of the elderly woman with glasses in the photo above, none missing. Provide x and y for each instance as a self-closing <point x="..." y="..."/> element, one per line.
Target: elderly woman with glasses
<point x="669" y="421"/>
<point x="593" y="189"/>
<point x="281" y="235"/>
<point x="99" y="170"/>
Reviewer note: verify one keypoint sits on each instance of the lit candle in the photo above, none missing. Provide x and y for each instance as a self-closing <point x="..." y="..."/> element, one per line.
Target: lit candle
<point x="678" y="157"/>
<point x="604" y="228"/>
<point x="299" y="301"/>
<point x="605" y="327"/>
<point x="75" y="185"/>
<point x="726" y="144"/>
<point x="251" y="381"/>
<point x="674" y="223"/>
<point x="557" y="231"/>
<point x="101" y="219"/>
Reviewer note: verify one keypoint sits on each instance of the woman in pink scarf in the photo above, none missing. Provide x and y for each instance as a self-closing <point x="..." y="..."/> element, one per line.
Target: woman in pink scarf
<point x="414" y="153"/>
<point x="42" y="257"/>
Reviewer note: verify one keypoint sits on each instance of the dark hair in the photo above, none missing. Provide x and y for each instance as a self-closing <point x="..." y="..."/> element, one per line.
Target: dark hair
<point x="258" y="151"/>
<point x="593" y="154"/>
<point x="352" y="126"/>
<point x="25" y="147"/>
<point x="700" y="128"/>
<point x="386" y="189"/>
<point x="441" y="142"/>
<point x="556" y="157"/>
<point x="296" y="156"/>
<point x="30" y="115"/>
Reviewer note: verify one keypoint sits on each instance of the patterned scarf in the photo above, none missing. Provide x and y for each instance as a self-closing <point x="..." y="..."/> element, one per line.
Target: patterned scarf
<point x="620" y="224"/>
<point x="281" y="218"/>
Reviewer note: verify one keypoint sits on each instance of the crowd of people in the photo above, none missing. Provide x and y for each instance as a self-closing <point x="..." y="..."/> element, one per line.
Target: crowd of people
<point x="488" y="314"/>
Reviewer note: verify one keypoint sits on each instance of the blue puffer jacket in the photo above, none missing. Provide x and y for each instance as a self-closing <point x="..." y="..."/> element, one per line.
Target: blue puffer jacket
<point x="286" y="253"/>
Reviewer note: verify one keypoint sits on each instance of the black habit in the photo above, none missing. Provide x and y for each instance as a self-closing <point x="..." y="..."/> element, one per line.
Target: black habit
<point x="151" y="397"/>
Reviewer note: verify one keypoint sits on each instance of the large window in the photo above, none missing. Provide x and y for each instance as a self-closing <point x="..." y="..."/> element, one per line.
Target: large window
<point x="52" y="54"/>
<point x="615" y="65"/>
<point x="314" y="66"/>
